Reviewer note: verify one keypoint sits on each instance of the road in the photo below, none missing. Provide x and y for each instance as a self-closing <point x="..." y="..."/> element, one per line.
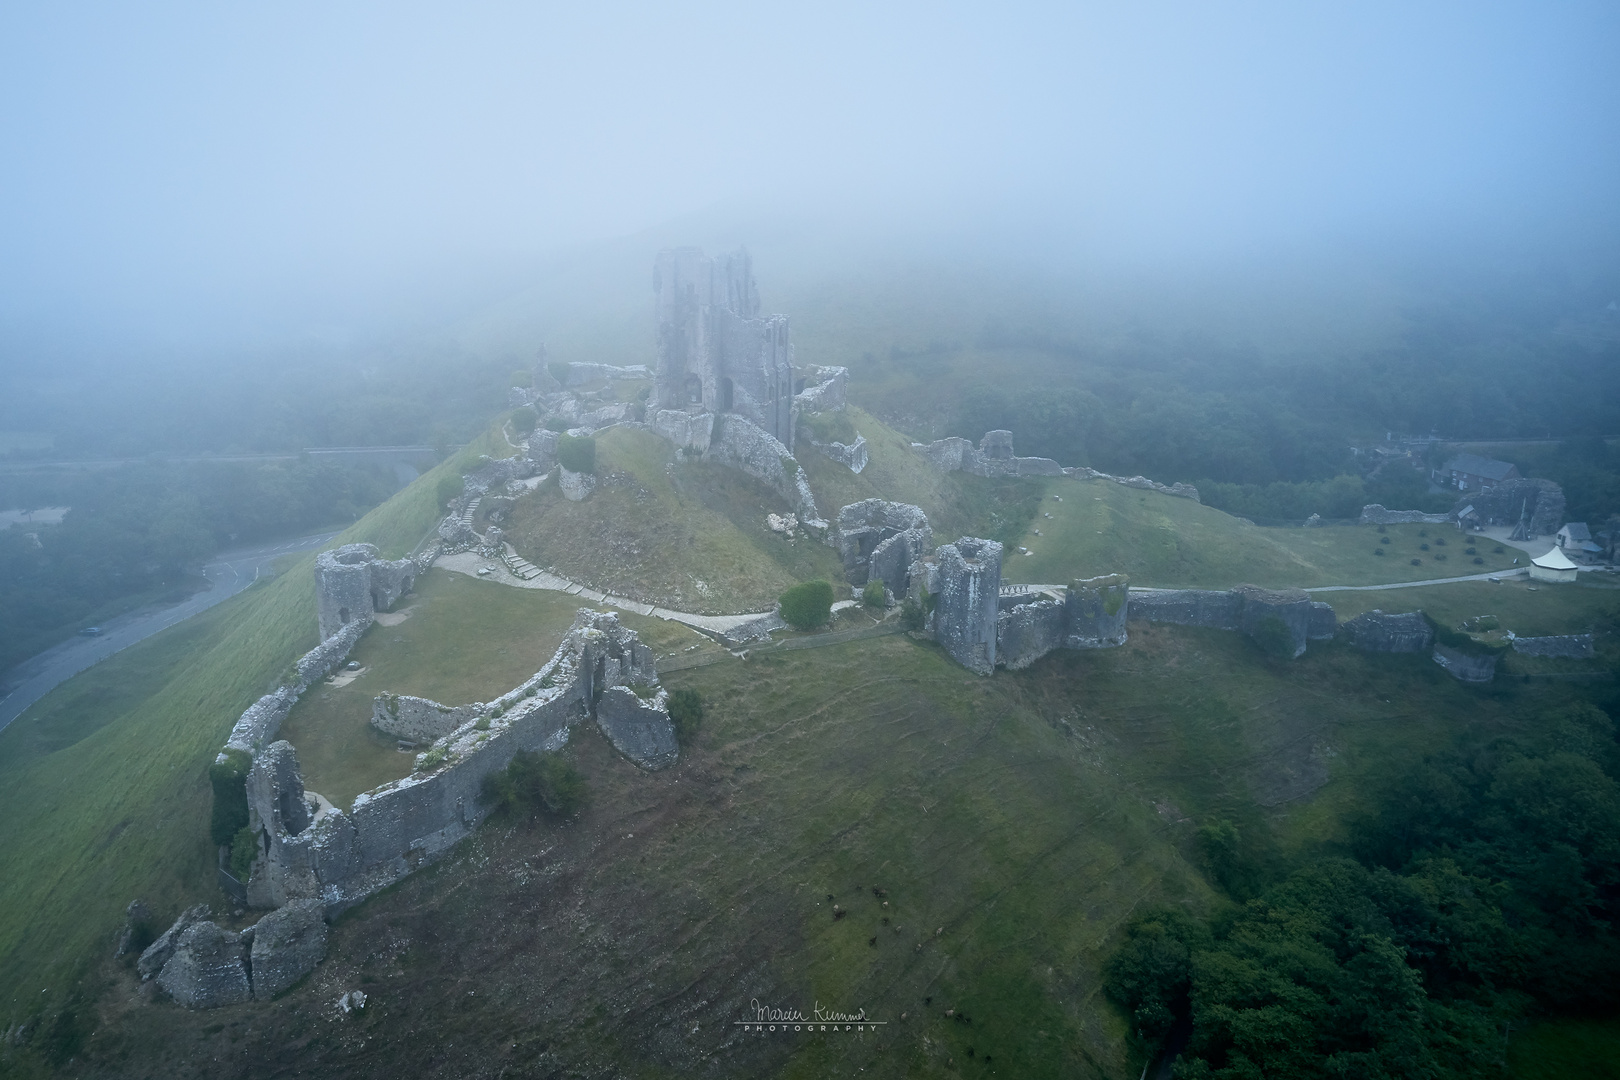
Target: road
<point x="228" y="574"/>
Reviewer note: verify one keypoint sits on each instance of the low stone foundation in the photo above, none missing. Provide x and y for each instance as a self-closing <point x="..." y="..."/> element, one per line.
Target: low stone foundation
<point x="1376" y="631"/>
<point x="1463" y="667"/>
<point x="1565" y="647"/>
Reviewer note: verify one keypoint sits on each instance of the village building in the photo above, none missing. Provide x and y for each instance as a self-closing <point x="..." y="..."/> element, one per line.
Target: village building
<point x="1470" y="472"/>
<point x="1553" y="567"/>
<point x="1575" y="540"/>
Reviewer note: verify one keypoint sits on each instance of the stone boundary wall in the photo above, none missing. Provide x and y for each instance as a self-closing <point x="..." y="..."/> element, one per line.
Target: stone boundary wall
<point x="326" y="657"/>
<point x="853" y="457"/>
<point x="826" y="388"/>
<point x="342" y="857"/>
<point x="257" y="727"/>
<point x="419" y="719"/>
<point x="1375" y="514"/>
<point x="1378" y="631"/>
<point x="1141" y="483"/>
<point x="1465" y="668"/>
<point x="1564" y="646"/>
<point x="992" y="457"/>
<point x="1246" y="609"/>
<point x="1028" y="631"/>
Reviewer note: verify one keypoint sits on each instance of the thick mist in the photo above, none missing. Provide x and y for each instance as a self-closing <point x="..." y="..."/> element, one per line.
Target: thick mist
<point x="193" y="191"/>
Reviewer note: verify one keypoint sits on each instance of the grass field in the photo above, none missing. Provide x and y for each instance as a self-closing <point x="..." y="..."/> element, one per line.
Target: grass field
<point x="1527" y="608"/>
<point x="462" y="640"/>
<point x="1097" y="527"/>
<point x="1012" y="824"/>
<point x="103" y="782"/>
<point x="684" y="535"/>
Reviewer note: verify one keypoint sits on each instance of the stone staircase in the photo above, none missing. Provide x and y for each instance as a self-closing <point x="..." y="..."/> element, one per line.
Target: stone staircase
<point x="468" y="514"/>
<point x="520" y="567"/>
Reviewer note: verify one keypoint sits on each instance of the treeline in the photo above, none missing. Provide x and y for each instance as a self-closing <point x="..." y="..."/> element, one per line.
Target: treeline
<point x="1483" y="888"/>
<point x="140" y="532"/>
<point x="1191" y="411"/>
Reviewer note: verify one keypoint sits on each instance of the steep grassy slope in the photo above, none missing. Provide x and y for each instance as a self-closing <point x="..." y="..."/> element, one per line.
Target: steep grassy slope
<point x="1097" y="526"/>
<point x="681" y="534"/>
<point x="1011" y="825"/>
<point x="103" y="784"/>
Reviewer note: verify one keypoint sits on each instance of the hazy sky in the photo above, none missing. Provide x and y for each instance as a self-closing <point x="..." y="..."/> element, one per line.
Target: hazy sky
<point x="165" y="160"/>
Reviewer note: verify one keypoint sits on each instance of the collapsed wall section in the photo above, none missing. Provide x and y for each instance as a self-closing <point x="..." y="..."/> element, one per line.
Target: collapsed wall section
<point x="992" y="457"/>
<point x="341" y="857"/>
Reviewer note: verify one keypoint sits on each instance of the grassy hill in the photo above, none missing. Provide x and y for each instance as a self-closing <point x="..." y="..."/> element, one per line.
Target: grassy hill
<point x="1097" y="526"/>
<point x="686" y="535"/>
<point x="985" y="839"/>
<point x="103" y="783"/>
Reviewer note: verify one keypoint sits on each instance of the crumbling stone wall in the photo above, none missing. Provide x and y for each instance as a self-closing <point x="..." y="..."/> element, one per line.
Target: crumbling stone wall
<point x="1564" y="646"/>
<point x="1375" y="514"/>
<point x="326" y="657"/>
<point x="992" y="457"/>
<point x="743" y="445"/>
<point x="1247" y="608"/>
<point x="853" y="456"/>
<point x="966" y="608"/>
<point x="1377" y="631"/>
<point x="352" y="584"/>
<point x="1096" y="612"/>
<point x="1028" y="631"/>
<point x="863" y="528"/>
<point x="824" y="388"/>
<point x="1141" y="483"/>
<point x="418" y="719"/>
<point x="1324" y="622"/>
<point x="208" y="968"/>
<point x="341" y="857"/>
<point x="1463" y="667"/>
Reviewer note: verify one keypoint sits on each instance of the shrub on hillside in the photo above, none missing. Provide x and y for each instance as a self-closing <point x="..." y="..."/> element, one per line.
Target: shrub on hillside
<point x="535" y="785"/>
<point x="450" y="488"/>
<point x="559" y="371"/>
<point x="229" y="780"/>
<point x="874" y="595"/>
<point x="807" y="605"/>
<point x="577" y="453"/>
<point x="244" y="849"/>
<point x="523" y="421"/>
<point x="686" y="712"/>
<point x="912" y="615"/>
<point x="1274" y="637"/>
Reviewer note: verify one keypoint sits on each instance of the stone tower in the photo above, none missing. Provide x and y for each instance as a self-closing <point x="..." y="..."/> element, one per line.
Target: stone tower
<point x="716" y="353"/>
<point x="967" y="605"/>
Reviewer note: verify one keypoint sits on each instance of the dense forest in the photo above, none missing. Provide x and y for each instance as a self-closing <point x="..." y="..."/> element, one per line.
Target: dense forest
<point x="1481" y="889"/>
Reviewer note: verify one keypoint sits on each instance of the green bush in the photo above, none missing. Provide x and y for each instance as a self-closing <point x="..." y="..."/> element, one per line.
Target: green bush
<point x="450" y="487"/>
<point x="555" y="423"/>
<point x="807" y="605"/>
<point x="229" y="780"/>
<point x="535" y="785"/>
<point x="244" y="849"/>
<point x="521" y="377"/>
<point x="911" y="614"/>
<point x="559" y="371"/>
<point x="874" y="595"/>
<point x="577" y="454"/>
<point x="1274" y="637"/>
<point x="523" y="421"/>
<point x="686" y="711"/>
<point x="829" y="427"/>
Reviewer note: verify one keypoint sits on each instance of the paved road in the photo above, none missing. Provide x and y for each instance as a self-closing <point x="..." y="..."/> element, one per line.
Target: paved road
<point x="228" y="574"/>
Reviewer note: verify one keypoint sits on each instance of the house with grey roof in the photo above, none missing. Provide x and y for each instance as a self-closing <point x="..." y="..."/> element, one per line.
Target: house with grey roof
<point x="1575" y="539"/>
<point x="1470" y="472"/>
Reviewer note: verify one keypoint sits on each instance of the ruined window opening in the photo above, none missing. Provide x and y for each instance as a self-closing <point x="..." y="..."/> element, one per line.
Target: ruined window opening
<point x="694" y="390"/>
<point x="343" y="615"/>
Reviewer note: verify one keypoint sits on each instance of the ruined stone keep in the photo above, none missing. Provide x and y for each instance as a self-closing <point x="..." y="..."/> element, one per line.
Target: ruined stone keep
<point x="716" y="353"/>
<point x="353" y="583"/>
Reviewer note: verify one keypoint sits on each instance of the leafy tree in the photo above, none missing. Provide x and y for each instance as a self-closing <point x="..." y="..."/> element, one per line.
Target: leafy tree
<point x="807" y="605"/>
<point x="523" y="421"/>
<point x="686" y="712"/>
<point x="536" y="785"/>
<point x="874" y="595"/>
<point x="229" y="781"/>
